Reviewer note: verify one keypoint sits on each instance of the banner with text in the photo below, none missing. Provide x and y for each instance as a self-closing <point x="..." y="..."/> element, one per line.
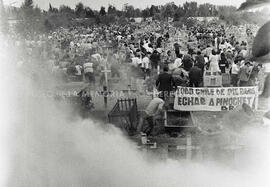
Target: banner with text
<point x="213" y="99"/>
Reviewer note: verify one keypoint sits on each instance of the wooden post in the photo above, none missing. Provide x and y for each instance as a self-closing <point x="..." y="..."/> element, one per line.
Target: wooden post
<point x="105" y="94"/>
<point x="165" y="118"/>
<point x="106" y="71"/>
<point x="105" y="87"/>
<point x="256" y="101"/>
<point x="189" y="147"/>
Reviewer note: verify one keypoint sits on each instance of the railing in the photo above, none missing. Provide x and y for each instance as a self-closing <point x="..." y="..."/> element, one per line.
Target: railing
<point x="125" y="114"/>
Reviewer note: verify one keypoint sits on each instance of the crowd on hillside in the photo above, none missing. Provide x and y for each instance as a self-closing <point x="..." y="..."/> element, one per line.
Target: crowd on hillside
<point x="188" y="53"/>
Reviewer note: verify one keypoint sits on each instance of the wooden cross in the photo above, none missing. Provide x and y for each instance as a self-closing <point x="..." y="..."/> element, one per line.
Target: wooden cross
<point x="105" y="91"/>
<point x="188" y="147"/>
<point x="106" y="71"/>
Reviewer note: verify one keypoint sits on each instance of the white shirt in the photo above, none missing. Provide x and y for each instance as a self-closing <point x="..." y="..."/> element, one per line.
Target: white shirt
<point x="214" y="67"/>
<point x="88" y="67"/>
<point x="153" y="107"/>
<point x="78" y="69"/>
<point x="159" y="50"/>
<point x="146" y="63"/>
<point x="136" y="61"/>
<point x="206" y="60"/>
<point x="222" y="46"/>
<point x="177" y="63"/>
<point x="267" y="67"/>
<point x="228" y="45"/>
<point x="244" y="53"/>
<point x="235" y="69"/>
<point x="145" y="46"/>
<point x="119" y="37"/>
<point x="96" y="56"/>
<point x="150" y="50"/>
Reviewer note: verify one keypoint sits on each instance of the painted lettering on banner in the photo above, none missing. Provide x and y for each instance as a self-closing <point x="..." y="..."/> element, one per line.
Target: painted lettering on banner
<point x="213" y="99"/>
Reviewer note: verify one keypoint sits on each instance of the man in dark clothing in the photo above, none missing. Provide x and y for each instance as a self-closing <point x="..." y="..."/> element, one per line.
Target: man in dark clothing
<point x="177" y="50"/>
<point x="187" y="62"/>
<point x="159" y="42"/>
<point x="244" y="74"/>
<point x="86" y="101"/>
<point x="155" y="59"/>
<point x="195" y="76"/>
<point x="165" y="83"/>
<point x="223" y="63"/>
<point x="199" y="60"/>
<point x="167" y="36"/>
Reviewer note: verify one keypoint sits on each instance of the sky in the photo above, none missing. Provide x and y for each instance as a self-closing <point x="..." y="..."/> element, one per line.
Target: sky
<point x="96" y="4"/>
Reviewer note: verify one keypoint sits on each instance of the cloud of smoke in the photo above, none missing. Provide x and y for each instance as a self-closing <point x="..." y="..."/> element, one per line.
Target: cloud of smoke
<point x="49" y="146"/>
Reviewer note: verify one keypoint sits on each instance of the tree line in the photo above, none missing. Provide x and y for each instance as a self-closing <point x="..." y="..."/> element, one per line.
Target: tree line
<point x="33" y="19"/>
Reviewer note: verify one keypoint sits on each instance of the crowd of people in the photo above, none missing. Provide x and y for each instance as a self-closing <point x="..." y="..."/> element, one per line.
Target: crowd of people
<point x="187" y="54"/>
<point x="169" y="55"/>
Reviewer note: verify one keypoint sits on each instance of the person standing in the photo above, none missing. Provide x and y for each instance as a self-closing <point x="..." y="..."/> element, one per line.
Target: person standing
<point x="199" y="60"/>
<point x="223" y="63"/>
<point x="235" y="72"/>
<point x="146" y="65"/>
<point x="89" y="72"/>
<point x="213" y="60"/>
<point x="115" y="68"/>
<point x="187" y="62"/>
<point x="244" y="74"/>
<point x="178" y="62"/>
<point x="86" y="101"/>
<point x="165" y="83"/>
<point x="154" y="109"/>
<point x="195" y="76"/>
<point x="155" y="59"/>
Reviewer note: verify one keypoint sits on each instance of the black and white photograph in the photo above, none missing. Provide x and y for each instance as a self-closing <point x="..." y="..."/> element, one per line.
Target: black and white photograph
<point x="125" y="93"/>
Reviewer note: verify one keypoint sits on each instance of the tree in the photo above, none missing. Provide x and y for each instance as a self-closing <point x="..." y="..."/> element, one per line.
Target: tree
<point x="169" y="10"/>
<point x="31" y="19"/>
<point x="52" y="9"/>
<point x="111" y="9"/>
<point x="129" y="11"/>
<point x="153" y="10"/>
<point x="79" y="10"/>
<point x="137" y="12"/>
<point x="205" y="10"/>
<point x="119" y="13"/>
<point x="146" y="13"/>
<point x="28" y="4"/>
<point x="89" y="13"/>
<point x="63" y="9"/>
<point x="226" y="11"/>
<point x="102" y="11"/>
<point x="190" y="9"/>
<point x="179" y="13"/>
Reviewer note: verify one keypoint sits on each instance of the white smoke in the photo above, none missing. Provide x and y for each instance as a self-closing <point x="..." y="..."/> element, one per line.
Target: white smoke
<point x="49" y="146"/>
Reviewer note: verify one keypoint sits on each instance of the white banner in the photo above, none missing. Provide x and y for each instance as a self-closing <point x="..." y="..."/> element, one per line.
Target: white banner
<point x="213" y="99"/>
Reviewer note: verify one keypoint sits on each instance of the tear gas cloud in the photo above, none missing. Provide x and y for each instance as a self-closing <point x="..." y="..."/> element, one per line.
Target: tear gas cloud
<point x="45" y="144"/>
